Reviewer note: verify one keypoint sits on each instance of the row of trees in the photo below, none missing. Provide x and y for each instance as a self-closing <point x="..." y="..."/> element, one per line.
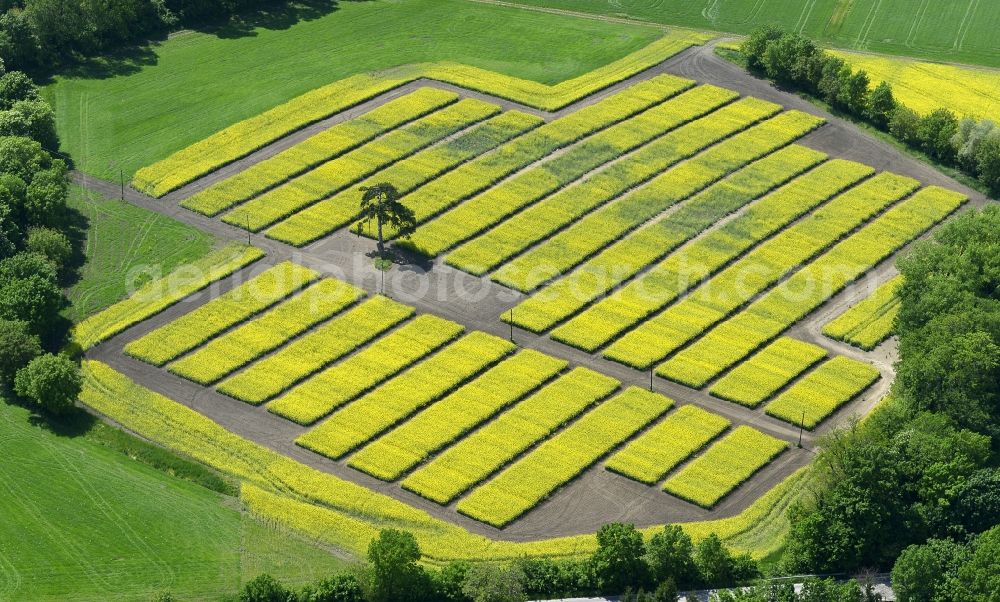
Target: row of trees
<point x="916" y="486"/>
<point x="36" y="35"/>
<point x="624" y="561"/>
<point x="35" y="251"/>
<point x="918" y="483"/>
<point x="793" y="60"/>
<point x="943" y="569"/>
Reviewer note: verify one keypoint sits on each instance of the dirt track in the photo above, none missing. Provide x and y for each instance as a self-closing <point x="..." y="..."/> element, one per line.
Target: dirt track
<point x="597" y="496"/>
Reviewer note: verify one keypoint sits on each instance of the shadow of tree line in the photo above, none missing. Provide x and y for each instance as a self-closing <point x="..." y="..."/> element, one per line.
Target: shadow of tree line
<point x="132" y="58"/>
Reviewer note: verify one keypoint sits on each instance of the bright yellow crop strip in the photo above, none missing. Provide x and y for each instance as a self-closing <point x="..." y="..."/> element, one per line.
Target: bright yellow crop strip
<point x="153" y="297"/>
<point x="754" y="272"/>
<point x="243" y="138"/>
<point x="477" y="175"/>
<point x="553" y="98"/>
<point x="768" y="370"/>
<point x="925" y="86"/>
<point x="242" y="345"/>
<point x="329" y="389"/>
<point x="476" y="457"/>
<point x="572" y="246"/>
<point x="555" y="462"/>
<point x="486" y="252"/>
<point x="878" y="330"/>
<point x="395" y="400"/>
<point x="342" y="513"/>
<point x="487" y="209"/>
<point x="810" y="287"/>
<point x="337" y="211"/>
<point x="649" y="457"/>
<point x="445" y="421"/>
<point x="315" y="350"/>
<point x="686" y="267"/>
<point x="349" y="168"/>
<point x="630" y="255"/>
<point x="725" y="466"/>
<point x="197" y="326"/>
<point x="317" y="149"/>
<point x="870" y="322"/>
<point x="819" y="393"/>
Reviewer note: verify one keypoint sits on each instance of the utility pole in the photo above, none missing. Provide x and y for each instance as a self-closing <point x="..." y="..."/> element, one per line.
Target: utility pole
<point x="650" y="379"/>
<point x="801" y="423"/>
<point x="121" y="178"/>
<point x="511" y="325"/>
<point x="247" y="218"/>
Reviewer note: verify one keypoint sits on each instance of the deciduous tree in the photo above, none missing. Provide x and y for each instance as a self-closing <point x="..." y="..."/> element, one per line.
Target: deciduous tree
<point x="18" y="346"/>
<point x="380" y="204"/>
<point x="618" y="560"/>
<point x="52" y="382"/>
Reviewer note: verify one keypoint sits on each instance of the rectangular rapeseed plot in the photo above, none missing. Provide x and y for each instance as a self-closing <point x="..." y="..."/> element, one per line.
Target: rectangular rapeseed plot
<point x="445" y="421"/>
<point x="241" y="139"/>
<point x="396" y="399"/>
<point x="479" y="455"/>
<point x="242" y="345"/>
<point x="332" y="387"/>
<point x="869" y="322"/>
<point x="725" y="466"/>
<point x="768" y="370"/>
<point x="153" y="297"/>
<point x="819" y="393"/>
<point x="197" y="326"/>
<point x="560" y="459"/>
<point x="652" y="455"/>
<point x="315" y="350"/>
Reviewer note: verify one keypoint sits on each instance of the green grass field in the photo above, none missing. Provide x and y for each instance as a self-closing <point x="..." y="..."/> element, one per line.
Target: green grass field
<point x="124" y="242"/>
<point x="944" y="30"/>
<point x="83" y="521"/>
<point x="124" y="121"/>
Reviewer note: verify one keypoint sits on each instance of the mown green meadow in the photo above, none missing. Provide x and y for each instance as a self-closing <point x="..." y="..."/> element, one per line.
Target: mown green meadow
<point x="84" y="521"/>
<point x="118" y="240"/>
<point x="943" y="30"/>
<point x="194" y="84"/>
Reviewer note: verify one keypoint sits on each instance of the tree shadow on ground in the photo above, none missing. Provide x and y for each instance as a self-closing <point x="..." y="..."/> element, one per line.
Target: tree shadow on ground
<point x="131" y="59"/>
<point x="127" y="60"/>
<point x="75" y="422"/>
<point x="406" y="259"/>
<point x="275" y="17"/>
<point x="77" y="226"/>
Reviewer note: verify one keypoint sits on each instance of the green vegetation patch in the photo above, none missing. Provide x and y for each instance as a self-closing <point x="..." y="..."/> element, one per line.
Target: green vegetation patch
<point x="125" y="246"/>
<point x="102" y="526"/>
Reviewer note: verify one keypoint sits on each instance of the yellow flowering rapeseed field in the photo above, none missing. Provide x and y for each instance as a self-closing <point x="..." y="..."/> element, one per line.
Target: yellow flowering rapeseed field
<point x="649" y="457"/>
<point x="729" y="462"/>
<point x="819" y="393"/>
<point x="870" y="322"/>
